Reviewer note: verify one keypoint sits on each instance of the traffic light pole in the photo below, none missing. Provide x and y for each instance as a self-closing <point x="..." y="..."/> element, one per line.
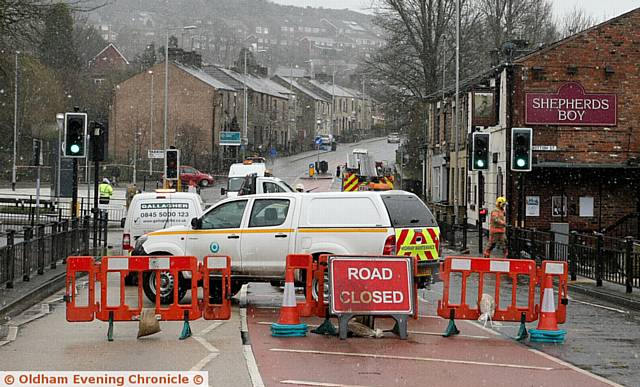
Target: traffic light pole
<point x="480" y="203"/>
<point x="74" y="194"/>
<point x="96" y="182"/>
<point x="521" y="205"/>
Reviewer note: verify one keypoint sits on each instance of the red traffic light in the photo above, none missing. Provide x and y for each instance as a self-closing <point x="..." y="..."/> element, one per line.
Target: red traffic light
<point x="483" y="211"/>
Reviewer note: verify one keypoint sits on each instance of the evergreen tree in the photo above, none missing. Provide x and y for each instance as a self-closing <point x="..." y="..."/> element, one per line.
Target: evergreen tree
<point x="57" y="49"/>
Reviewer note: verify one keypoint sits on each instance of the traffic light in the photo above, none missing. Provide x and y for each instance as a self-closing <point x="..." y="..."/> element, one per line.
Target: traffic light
<point x="75" y="134"/>
<point x="480" y="152"/>
<point x="521" y="142"/>
<point x="98" y="141"/>
<point x="172" y="164"/>
<point x="36" y="152"/>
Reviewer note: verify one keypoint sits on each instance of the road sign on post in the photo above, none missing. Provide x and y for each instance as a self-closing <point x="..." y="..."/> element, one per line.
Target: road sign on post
<point x="371" y="285"/>
<point x="155" y="154"/>
<point x="230" y="138"/>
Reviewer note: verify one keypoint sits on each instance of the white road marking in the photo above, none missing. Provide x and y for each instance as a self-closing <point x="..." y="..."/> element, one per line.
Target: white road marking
<point x="45" y="308"/>
<point x="213" y="351"/>
<point x="210" y="328"/>
<point x="202" y="363"/>
<point x="571" y="366"/>
<point x="414" y="358"/>
<point x="207" y="345"/>
<point x="252" y="366"/>
<point x="247" y="351"/>
<point x="600" y="306"/>
<point x="321" y="384"/>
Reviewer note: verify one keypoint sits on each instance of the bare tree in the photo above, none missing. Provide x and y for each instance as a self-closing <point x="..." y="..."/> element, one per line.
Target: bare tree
<point x="575" y="21"/>
<point x="506" y="20"/>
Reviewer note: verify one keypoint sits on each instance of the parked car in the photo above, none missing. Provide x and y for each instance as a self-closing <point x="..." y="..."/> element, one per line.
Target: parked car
<point x="258" y="231"/>
<point x="393" y="138"/>
<point x="189" y="174"/>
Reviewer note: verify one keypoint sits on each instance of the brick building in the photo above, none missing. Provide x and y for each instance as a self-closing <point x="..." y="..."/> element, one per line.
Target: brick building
<point x="579" y="95"/>
<point x="198" y="104"/>
<point x="310" y="112"/>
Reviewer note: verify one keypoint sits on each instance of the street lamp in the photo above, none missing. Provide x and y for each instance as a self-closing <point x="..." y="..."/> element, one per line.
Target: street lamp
<point x="60" y="122"/>
<point x="15" y="126"/>
<point x="244" y="91"/>
<point x="151" y="124"/>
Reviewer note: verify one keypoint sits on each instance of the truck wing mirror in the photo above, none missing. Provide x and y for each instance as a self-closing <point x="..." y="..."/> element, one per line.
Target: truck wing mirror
<point x="122" y="221"/>
<point x="196" y="223"/>
<point x="223" y="191"/>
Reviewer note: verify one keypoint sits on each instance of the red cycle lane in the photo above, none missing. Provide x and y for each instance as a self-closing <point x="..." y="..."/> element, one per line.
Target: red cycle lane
<point x="476" y="357"/>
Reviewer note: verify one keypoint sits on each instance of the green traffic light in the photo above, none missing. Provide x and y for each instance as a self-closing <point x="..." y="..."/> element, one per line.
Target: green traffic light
<point x="75" y="148"/>
<point x="521" y="163"/>
<point x="480" y="163"/>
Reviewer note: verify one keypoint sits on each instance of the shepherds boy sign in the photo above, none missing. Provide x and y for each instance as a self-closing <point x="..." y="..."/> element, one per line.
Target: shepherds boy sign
<point x="571" y="106"/>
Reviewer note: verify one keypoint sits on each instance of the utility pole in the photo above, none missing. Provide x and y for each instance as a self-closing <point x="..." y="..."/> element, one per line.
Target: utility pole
<point x="166" y="89"/>
<point x="363" y="107"/>
<point x="289" y="110"/>
<point x="244" y="121"/>
<point x="456" y="187"/>
<point x="15" y="126"/>
<point x="151" y="125"/>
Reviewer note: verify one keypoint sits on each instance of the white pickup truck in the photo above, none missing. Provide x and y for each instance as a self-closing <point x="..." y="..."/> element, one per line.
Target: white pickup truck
<point x="258" y="231"/>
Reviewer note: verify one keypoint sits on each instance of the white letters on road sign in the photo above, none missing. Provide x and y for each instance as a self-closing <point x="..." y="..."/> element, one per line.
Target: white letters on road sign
<point x="364" y="273"/>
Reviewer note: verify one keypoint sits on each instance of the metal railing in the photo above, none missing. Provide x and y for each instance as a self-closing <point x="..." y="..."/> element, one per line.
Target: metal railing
<point x="601" y="258"/>
<point x="21" y="210"/>
<point x="44" y="246"/>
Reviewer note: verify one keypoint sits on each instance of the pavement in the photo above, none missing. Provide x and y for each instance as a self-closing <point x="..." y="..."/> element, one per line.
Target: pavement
<point x="610" y="292"/>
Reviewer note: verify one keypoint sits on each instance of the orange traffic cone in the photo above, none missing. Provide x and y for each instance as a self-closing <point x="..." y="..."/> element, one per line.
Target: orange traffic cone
<point x="548" y="321"/>
<point x="289" y="311"/>
<point x="547" y="330"/>
<point x="289" y="321"/>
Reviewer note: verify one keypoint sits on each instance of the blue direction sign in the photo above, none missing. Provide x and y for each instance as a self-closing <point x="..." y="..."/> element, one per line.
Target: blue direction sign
<point x="230" y="138"/>
<point x="318" y="140"/>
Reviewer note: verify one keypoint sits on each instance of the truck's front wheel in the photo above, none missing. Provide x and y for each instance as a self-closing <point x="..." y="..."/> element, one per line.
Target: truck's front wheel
<point x="167" y="284"/>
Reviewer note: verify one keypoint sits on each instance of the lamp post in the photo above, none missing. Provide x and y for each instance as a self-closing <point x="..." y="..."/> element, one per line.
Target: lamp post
<point x="151" y="125"/>
<point x="15" y="126"/>
<point x="243" y="145"/>
<point x="456" y="187"/>
<point x="60" y="123"/>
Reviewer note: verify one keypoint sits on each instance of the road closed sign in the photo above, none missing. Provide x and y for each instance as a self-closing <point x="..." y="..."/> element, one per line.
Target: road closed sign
<point x="371" y="285"/>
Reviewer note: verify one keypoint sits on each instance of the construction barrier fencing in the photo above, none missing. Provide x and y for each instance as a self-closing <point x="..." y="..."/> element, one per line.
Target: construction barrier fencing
<point x="107" y="298"/>
<point x="522" y="278"/>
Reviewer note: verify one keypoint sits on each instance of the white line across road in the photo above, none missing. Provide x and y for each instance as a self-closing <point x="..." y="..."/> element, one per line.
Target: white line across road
<point x="413" y="358"/>
<point x="599" y="306"/>
<point x="320" y="384"/>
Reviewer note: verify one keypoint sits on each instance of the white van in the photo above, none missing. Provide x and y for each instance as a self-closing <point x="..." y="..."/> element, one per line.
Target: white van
<point x="237" y="173"/>
<point x="258" y="231"/>
<point x="155" y="211"/>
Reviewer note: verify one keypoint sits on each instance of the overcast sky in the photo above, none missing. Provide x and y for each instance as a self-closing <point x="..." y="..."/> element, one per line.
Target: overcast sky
<point x="600" y="9"/>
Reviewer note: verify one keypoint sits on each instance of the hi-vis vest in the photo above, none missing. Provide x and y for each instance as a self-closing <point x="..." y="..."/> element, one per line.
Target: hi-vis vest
<point x="422" y="243"/>
<point x="105" y="190"/>
<point x="497" y="222"/>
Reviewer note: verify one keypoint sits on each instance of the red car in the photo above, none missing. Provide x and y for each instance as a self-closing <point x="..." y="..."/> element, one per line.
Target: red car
<point x="189" y="174"/>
